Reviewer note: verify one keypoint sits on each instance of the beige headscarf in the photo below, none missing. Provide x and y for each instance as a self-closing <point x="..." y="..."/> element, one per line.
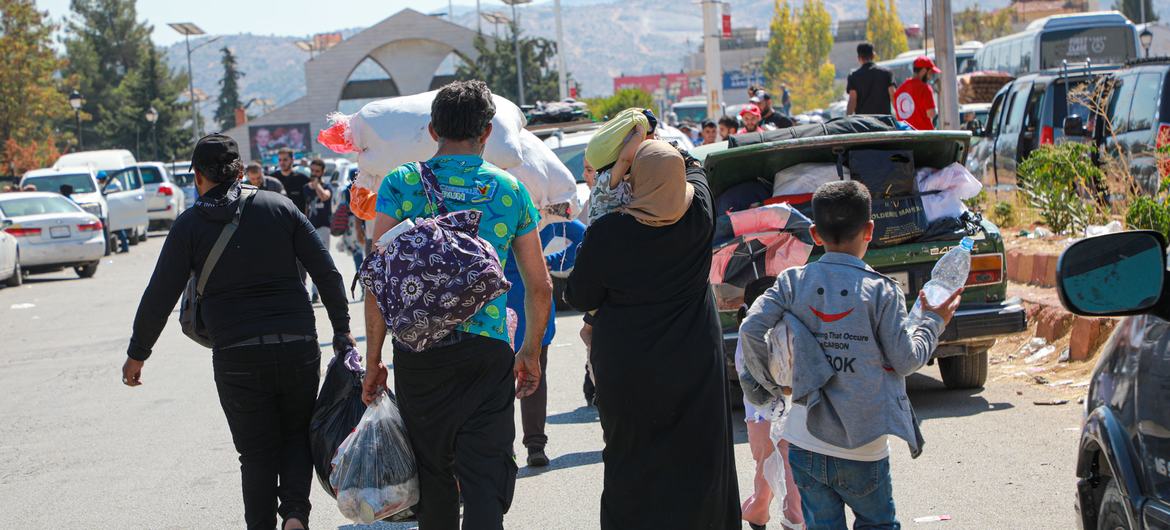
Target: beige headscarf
<point x="659" y="191"/>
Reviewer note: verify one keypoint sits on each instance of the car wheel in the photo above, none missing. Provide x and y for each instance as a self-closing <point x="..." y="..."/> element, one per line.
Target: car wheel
<point x="106" y="232"/>
<point x="87" y="270"/>
<point x="133" y="236"/>
<point x="964" y="371"/>
<point x="1112" y="513"/>
<point x="143" y="236"/>
<point x="17" y="275"/>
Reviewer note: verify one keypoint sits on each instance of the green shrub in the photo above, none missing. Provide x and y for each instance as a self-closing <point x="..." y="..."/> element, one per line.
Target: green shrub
<point x="1004" y="214"/>
<point x="1056" y="179"/>
<point x="1146" y="213"/>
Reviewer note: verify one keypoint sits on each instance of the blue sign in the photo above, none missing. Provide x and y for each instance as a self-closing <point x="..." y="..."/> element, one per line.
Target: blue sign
<point x="741" y="80"/>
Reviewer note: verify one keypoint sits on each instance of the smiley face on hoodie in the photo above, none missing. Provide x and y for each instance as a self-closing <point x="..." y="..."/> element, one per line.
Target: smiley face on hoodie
<point x="827" y="314"/>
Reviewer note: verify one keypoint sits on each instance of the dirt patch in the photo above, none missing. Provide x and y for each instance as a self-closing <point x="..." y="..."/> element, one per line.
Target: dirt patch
<point x="1045" y="245"/>
<point x="1050" y="377"/>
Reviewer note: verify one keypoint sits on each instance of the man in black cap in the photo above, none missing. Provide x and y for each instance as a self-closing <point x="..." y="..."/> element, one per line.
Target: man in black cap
<point x="768" y="114"/>
<point x="264" y="354"/>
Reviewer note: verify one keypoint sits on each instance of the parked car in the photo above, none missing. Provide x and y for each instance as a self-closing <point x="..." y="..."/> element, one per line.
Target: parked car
<point x="184" y="178"/>
<point x="53" y="232"/>
<point x="1123" y="458"/>
<point x="164" y="199"/>
<point x="1139" y="112"/>
<point x="985" y="314"/>
<point x="117" y="164"/>
<point x="10" y="269"/>
<point x="1026" y="113"/>
<point x="114" y="209"/>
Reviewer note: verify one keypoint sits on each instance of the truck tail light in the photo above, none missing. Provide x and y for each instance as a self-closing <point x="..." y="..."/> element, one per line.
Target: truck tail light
<point x="1047" y="136"/>
<point x="986" y="269"/>
<point x="23" y="232"/>
<point x="1162" y="145"/>
<point x="165" y="190"/>
<point x="95" y="226"/>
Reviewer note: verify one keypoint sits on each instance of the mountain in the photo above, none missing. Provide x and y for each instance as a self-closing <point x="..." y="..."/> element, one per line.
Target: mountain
<point x="603" y="39"/>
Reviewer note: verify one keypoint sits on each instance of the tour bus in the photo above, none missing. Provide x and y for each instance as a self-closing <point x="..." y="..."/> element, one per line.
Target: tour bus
<point x="1102" y="37"/>
<point x="902" y="66"/>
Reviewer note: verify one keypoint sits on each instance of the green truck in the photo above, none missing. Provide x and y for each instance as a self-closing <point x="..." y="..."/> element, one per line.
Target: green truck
<point x="985" y="313"/>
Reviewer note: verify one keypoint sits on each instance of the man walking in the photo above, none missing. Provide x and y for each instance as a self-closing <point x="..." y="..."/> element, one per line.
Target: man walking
<point x="293" y="181"/>
<point x="914" y="100"/>
<point x="318" y="206"/>
<point x="457" y="397"/>
<point x="785" y="99"/>
<point x="870" y="87"/>
<point x="264" y="341"/>
<point x="257" y="178"/>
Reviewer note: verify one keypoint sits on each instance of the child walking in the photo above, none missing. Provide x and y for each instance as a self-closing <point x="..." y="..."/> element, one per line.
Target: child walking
<point x="838" y="431"/>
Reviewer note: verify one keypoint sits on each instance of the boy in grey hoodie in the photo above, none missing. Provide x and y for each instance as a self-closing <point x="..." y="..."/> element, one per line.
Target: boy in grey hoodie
<point x="838" y="432"/>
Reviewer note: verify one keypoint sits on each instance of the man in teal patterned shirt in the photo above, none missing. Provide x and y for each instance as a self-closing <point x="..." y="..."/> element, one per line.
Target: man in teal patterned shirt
<point x="456" y="397"/>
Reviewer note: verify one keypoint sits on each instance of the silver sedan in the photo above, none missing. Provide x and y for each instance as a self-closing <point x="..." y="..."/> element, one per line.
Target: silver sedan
<point x="52" y="232"/>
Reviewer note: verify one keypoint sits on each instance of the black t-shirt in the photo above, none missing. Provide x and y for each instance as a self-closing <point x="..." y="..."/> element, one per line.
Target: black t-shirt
<point x="294" y="186"/>
<point x="778" y="120"/>
<point x="319" y="212"/>
<point x="872" y="84"/>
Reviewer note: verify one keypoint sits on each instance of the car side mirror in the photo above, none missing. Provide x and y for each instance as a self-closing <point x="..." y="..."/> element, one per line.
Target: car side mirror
<point x="1115" y="275"/>
<point x="1074" y="126"/>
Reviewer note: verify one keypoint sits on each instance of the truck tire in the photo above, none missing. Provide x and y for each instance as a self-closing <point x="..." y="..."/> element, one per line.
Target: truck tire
<point x="964" y="371"/>
<point x="1111" y="515"/>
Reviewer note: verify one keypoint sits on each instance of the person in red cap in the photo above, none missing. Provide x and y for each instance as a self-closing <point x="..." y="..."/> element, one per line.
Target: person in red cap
<point x="914" y="100"/>
<point x="751" y="117"/>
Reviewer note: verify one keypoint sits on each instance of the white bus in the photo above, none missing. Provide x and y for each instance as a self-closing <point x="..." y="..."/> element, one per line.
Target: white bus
<point x="1102" y="37"/>
<point x="902" y="66"/>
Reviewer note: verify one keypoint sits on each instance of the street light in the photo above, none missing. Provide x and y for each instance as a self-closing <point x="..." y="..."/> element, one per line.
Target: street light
<point x="76" y="100"/>
<point x="516" y="45"/>
<point x="151" y="117"/>
<point x="496" y="19"/>
<point x="186" y="29"/>
<point x="1147" y="38"/>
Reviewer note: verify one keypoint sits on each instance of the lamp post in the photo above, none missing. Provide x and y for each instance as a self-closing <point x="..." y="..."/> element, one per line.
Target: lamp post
<point x="151" y="117"/>
<point x="186" y="29"/>
<point x="496" y="19"/>
<point x="516" y="45"/>
<point x="1147" y="38"/>
<point x="76" y="100"/>
<point x="562" y="73"/>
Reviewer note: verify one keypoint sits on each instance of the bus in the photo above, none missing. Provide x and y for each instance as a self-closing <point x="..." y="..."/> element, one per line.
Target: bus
<point x="902" y="66"/>
<point x="1102" y="37"/>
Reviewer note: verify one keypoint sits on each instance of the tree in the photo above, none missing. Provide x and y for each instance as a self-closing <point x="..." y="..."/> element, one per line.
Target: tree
<point x="798" y="53"/>
<point x="884" y="29"/>
<point x="1132" y="9"/>
<point x="496" y="66"/>
<point x="31" y="100"/>
<point x="607" y="107"/>
<point x="975" y="24"/>
<point x="229" y="91"/>
<point x="104" y="43"/>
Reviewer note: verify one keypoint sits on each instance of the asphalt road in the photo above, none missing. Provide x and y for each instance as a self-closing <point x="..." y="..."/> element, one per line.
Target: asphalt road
<point x="79" y="450"/>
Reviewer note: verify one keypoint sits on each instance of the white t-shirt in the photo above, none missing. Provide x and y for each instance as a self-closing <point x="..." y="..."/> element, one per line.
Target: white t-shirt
<point x="796" y="432"/>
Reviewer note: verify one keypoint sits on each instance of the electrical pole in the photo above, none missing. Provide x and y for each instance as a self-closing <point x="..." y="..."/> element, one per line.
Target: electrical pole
<point x="562" y="74"/>
<point x="191" y="90"/>
<point x="478" y="19"/>
<point x="944" y="57"/>
<point x="714" y="70"/>
<point x="519" y="63"/>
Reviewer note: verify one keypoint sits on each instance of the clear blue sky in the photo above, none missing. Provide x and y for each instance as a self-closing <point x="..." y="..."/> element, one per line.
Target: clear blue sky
<point x="282" y="17"/>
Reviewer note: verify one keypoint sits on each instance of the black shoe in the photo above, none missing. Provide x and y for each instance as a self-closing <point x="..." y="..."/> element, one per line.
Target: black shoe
<point x="755" y="526"/>
<point x="537" y="458"/>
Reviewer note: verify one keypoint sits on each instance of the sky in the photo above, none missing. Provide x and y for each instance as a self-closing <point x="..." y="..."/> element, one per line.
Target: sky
<point x="292" y="17"/>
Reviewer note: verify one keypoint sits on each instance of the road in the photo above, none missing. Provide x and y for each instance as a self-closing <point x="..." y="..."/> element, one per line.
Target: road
<point x="80" y="450"/>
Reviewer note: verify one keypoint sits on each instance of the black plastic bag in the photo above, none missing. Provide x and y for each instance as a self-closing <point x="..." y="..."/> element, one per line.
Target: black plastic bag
<point x="846" y="125"/>
<point x="338" y="410"/>
<point x="886" y="173"/>
<point x="897" y="220"/>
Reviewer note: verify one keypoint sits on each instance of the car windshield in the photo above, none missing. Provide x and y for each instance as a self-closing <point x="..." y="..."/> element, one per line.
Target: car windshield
<point x="151" y="175"/>
<point x="21" y="206"/>
<point x="690" y="114"/>
<point x="184" y="179"/>
<point x="81" y="182"/>
<point x="574" y="158"/>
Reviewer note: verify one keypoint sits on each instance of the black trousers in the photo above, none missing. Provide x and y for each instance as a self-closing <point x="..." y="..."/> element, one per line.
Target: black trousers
<point x="458" y="402"/>
<point x="534" y="409"/>
<point x="267" y="393"/>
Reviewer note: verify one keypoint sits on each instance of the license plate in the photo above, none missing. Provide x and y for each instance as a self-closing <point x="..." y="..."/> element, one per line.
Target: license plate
<point x="903" y="280"/>
<point x="58" y="232"/>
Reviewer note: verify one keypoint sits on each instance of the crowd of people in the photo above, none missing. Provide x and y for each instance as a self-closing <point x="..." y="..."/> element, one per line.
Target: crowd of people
<point x="656" y="369"/>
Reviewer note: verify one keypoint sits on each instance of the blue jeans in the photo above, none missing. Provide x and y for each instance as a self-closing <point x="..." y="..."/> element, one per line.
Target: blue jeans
<point x="827" y="484"/>
<point x="123" y="240"/>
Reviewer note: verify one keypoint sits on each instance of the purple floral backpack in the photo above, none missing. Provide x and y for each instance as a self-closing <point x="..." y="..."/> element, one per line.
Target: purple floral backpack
<point x="434" y="276"/>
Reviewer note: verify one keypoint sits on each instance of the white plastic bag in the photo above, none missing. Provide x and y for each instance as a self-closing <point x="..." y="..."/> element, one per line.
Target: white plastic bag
<point x="390" y="132"/>
<point x="547" y="179"/>
<point x="954" y="185"/>
<point x="374" y="473"/>
<point x="805" y="178"/>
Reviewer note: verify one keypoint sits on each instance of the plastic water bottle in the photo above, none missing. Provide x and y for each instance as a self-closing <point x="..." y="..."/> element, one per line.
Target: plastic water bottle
<point x="949" y="274"/>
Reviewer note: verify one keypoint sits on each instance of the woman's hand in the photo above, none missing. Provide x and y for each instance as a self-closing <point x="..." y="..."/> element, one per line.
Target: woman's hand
<point x="625" y="161"/>
<point x="527" y="371"/>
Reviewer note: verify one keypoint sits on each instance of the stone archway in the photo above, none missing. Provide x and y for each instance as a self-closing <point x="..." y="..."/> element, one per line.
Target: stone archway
<point x="409" y="46"/>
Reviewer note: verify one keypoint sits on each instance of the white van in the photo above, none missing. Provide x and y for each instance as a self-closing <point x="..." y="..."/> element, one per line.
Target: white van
<point x="127" y="208"/>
